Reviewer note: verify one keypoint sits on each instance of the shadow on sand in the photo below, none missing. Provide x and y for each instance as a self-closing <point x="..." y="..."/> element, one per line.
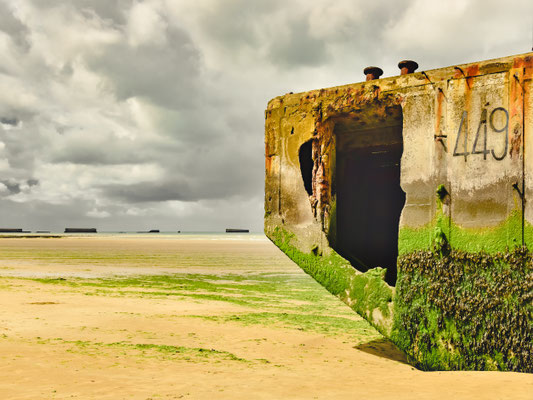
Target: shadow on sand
<point x="383" y="348"/>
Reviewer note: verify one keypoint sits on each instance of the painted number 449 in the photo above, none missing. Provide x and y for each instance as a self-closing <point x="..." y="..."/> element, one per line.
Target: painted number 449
<point x="480" y="143"/>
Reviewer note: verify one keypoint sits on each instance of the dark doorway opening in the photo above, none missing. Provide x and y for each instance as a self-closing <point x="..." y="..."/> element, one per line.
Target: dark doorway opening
<point x="306" y="165"/>
<point x="369" y="197"/>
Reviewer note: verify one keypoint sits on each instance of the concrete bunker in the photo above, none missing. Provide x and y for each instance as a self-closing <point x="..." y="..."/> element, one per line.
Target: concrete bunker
<point x="369" y="198"/>
<point x="460" y="255"/>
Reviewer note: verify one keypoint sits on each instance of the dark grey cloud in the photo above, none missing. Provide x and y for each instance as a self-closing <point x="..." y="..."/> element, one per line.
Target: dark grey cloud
<point x="11" y="25"/>
<point x="12" y="186"/>
<point x="166" y="73"/>
<point x="298" y="47"/>
<point x="152" y="192"/>
<point x="188" y="189"/>
<point x="21" y="147"/>
<point x="9" y="121"/>
<point x="85" y="149"/>
<point x="237" y="23"/>
<point x="108" y="10"/>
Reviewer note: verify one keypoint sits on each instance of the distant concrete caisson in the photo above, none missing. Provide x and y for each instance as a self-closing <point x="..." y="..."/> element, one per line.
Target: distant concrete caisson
<point x="80" y="230"/>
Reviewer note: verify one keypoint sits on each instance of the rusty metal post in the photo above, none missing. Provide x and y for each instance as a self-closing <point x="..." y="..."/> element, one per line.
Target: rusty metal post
<point x="407" y="67"/>
<point x="372" y="73"/>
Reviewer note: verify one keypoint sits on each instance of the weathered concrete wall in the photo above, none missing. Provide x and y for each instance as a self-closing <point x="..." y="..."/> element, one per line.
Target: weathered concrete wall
<point x="466" y="172"/>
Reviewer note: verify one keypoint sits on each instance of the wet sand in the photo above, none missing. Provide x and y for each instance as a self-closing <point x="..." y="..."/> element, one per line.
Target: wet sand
<point x="169" y="318"/>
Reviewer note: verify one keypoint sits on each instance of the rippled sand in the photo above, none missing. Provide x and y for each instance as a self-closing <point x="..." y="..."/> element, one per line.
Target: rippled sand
<point x="207" y="316"/>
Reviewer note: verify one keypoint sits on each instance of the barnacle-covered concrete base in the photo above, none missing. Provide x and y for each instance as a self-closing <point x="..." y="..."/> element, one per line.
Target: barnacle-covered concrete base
<point x="406" y="197"/>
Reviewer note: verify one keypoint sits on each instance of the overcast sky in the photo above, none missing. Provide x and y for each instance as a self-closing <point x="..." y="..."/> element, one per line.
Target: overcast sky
<point x="133" y="115"/>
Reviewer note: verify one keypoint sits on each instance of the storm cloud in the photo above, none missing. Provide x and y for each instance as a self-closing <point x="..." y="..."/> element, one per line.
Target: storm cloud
<point x="132" y="115"/>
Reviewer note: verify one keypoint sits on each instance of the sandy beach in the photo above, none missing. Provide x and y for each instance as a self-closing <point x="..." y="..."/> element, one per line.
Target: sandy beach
<point x="199" y="317"/>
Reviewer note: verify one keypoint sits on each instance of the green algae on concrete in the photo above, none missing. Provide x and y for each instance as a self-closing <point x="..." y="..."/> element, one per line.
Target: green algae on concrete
<point x="444" y="230"/>
<point x="459" y="310"/>
<point x="366" y="293"/>
<point x="491" y="240"/>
